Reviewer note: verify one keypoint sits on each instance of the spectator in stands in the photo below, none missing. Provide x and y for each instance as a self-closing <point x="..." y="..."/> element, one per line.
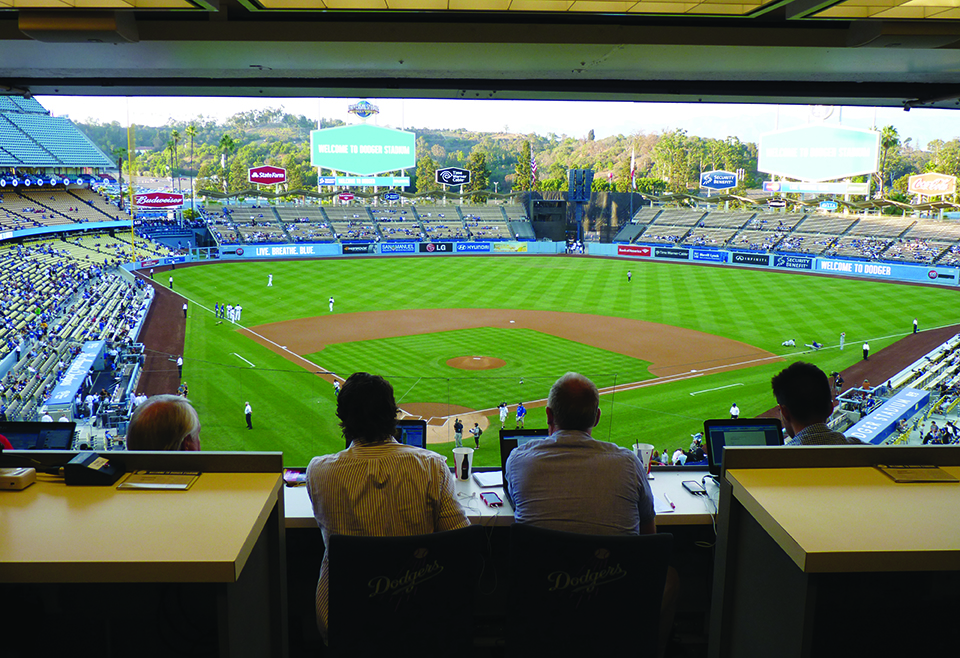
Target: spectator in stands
<point x="805" y="402"/>
<point x="164" y="422"/>
<point x="377" y="486"/>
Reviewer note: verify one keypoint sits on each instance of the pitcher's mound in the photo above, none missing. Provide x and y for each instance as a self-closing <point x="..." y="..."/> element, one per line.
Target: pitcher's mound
<point x="476" y="362"/>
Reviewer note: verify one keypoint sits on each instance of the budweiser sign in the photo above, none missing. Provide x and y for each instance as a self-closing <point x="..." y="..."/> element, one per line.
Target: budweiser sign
<point x="159" y="200"/>
<point x="346" y="197"/>
<point x="267" y="175"/>
<point x="932" y="184"/>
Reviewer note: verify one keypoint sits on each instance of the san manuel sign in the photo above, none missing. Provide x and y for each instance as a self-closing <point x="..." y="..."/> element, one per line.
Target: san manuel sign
<point x="363" y="150"/>
<point x="819" y="152"/>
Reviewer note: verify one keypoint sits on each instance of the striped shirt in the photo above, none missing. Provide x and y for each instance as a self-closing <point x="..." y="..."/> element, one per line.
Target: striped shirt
<point x="379" y="490"/>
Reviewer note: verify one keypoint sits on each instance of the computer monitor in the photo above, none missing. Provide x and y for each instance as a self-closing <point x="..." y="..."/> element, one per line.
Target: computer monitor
<point x="738" y="432"/>
<point x="38" y="436"/>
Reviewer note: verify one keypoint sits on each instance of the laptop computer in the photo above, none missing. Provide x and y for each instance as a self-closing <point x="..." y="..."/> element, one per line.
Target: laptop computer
<point x="510" y="439"/>
<point x="718" y="434"/>
<point x="38" y="435"/>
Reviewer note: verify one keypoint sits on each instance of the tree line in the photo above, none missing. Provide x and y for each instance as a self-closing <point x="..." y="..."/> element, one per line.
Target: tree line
<point x="218" y="155"/>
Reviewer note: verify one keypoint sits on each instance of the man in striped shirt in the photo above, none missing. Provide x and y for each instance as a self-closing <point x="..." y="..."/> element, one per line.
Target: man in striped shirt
<point x="377" y="487"/>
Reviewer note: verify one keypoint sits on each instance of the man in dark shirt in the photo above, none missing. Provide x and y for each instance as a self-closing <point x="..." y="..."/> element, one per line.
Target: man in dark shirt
<point x="806" y="402"/>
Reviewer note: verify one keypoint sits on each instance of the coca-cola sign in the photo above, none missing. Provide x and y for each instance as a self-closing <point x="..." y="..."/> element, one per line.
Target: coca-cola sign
<point x="159" y="200"/>
<point x="932" y="184"/>
<point x="267" y="175"/>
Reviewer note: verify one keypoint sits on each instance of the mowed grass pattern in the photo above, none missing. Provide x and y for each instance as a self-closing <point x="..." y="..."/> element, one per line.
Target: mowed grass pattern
<point x="419" y="372"/>
<point x="294" y="410"/>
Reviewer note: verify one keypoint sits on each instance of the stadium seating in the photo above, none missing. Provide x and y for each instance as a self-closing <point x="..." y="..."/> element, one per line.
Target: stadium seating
<point x="441" y="222"/>
<point x="53" y="302"/>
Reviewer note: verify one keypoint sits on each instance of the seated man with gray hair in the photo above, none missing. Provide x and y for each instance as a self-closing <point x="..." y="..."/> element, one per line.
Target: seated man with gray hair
<point x="572" y="482"/>
<point x="164" y="422"/>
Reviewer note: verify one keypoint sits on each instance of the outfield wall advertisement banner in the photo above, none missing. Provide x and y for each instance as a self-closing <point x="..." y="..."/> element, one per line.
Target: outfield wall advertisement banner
<point x="892" y="271"/>
<point x="671" y="252"/>
<point x="398" y="248"/>
<point x="509" y="247"/>
<point x="750" y="259"/>
<point x="710" y="256"/>
<point x="436" y="247"/>
<point x="793" y="262"/>
<point x="473" y="247"/>
<point x="634" y="250"/>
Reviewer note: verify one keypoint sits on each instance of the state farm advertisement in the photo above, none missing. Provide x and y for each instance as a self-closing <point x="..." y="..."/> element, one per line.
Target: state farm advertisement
<point x="158" y="200"/>
<point x="267" y="175"/>
<point x="632" y="250"/>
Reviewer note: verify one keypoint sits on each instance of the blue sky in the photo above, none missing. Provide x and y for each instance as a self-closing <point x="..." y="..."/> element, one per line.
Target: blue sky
<point x="573" y="118"/>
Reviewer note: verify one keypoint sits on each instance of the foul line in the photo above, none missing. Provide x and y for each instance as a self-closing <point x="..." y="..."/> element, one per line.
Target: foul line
<point x="719" y="388"/>
<point x="242" y="359"/>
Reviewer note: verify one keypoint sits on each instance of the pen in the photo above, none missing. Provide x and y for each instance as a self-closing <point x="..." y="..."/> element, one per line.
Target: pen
<point x="669" y="502"/>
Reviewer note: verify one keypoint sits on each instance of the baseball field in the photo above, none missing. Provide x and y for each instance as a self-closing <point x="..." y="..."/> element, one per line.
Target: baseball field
<point x="458" y="335"/>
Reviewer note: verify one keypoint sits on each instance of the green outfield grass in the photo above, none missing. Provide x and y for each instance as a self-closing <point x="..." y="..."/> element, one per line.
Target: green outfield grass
<point x="294" y="409"/>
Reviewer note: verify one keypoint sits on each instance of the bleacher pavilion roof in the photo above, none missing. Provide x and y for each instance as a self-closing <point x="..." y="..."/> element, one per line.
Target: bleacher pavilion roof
<point x="30" y="137"/>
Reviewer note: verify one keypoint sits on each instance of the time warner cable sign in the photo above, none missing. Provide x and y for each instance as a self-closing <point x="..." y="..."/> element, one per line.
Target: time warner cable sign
<point x="362" y="150"/>
<point x="819" y="152"/>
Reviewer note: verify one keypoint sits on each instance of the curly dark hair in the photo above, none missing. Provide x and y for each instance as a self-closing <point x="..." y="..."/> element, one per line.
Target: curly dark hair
<point x="366" y="408"/>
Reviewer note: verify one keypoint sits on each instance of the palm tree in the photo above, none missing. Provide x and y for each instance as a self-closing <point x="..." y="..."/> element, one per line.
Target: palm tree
<point x="175" y="140"/>
<point x="191" y="133"/>
<point x="889" y="138"/>
<point x="228" y="145"/>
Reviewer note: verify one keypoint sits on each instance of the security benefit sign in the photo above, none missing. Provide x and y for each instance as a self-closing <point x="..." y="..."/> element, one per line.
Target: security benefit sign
<point x="718" y="180"/>
<point x="819" y="152"/>
<point x="363" y="150"/>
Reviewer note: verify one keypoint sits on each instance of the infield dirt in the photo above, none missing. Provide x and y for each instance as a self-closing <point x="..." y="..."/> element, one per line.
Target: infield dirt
<point x="667" y="348"/>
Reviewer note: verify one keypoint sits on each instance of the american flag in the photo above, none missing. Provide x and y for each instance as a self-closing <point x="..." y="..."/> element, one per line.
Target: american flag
<point x="633" y="168"/>
<point x="533" y="167"/>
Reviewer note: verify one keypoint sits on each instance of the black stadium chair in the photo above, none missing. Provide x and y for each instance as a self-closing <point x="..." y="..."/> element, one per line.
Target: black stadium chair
<point x="404" y="596"/>
<point x="584" y="595"/>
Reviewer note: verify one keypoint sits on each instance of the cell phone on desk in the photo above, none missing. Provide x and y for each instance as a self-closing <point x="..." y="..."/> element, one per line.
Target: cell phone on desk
<point x="294" y="477"/>
<point x="491" y="499"/>
<point x="694" y="487"/>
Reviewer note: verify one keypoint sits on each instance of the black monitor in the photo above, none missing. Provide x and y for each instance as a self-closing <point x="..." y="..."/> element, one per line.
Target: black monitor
<point x="718" y="434"/>
<point x="38" y="436"/>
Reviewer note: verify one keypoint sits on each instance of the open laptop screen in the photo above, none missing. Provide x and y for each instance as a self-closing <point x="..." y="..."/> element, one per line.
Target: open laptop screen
<point x="510" y="439"/>
<point x="38" y="435"/>
<point x="738" y="432"/>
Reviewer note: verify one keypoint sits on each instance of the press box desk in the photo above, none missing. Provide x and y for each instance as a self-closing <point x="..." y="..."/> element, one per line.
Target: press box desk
<point x="819" y="551"/>
<point x="226" y="531"/>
